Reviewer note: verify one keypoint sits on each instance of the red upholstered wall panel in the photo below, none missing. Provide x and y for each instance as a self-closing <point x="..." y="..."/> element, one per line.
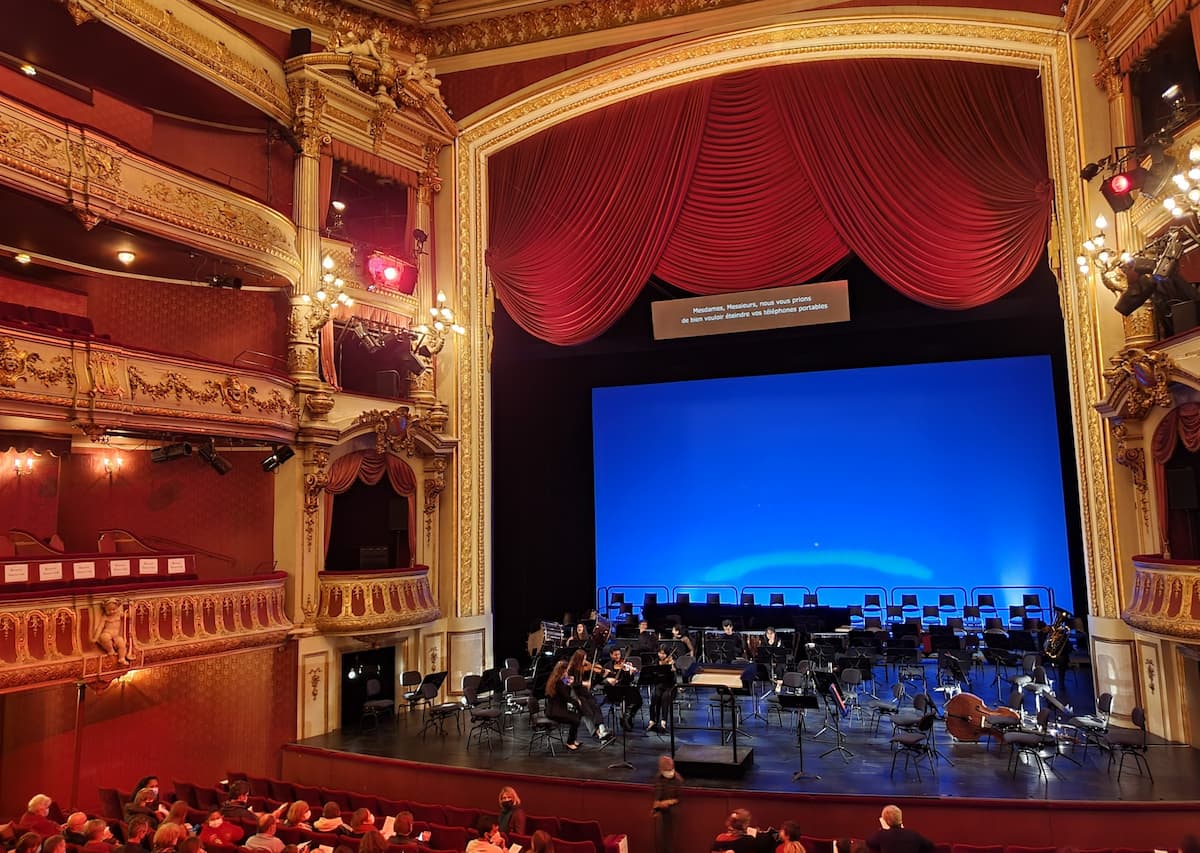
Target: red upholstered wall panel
<point x="31" y="501"/>
<point x="184" y="500"/>
<point x="51" y="298"/>
<point x="212" y="323"/>
<point x="190" y="721"/>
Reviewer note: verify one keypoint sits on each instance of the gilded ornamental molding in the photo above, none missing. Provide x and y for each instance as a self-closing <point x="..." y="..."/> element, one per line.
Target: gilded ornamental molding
<point x="99" y="179"/>
<point x="1138" y="381"/>
<point x="1166" y="598"/>
<point x="52" y="639"/>
<point x="100" y="384"/>
<point x="191" y="37"/>
<point x="356" y="602"/>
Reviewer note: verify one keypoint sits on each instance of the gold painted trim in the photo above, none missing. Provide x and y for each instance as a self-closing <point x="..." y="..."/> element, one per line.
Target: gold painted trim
<point x="868" y="34"/>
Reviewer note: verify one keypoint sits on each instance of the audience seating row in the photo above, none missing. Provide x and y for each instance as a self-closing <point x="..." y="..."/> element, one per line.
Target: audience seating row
<point x="44" y="319"/>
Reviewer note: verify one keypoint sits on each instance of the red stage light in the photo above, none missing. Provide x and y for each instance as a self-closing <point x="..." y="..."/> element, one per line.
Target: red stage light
<point x="1121" y="184"/>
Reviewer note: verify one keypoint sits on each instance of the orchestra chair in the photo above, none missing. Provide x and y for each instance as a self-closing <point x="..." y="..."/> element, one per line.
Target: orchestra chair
<point x="880" y="708"/>
<point x="972" y="618"/>
<point x="1002" y="721"/>
<point x="915" y="743"/>
<point x="615" y="600"/>
<point x="873" y="623"/>
<point x="1093" y="727"/>
<point x="930" y="615"/>
<point x="1129" y="742"/>
<point x="894" y="614"/>
<point x="1032" y="602"/>
<point x="683" y="599"/>
<point x="1040" y="686"/>
<point x="747" y="599"/>
<point x="484" y="717"/>
<point x="947" y="605"/>
<point x="410" y="686"/>
<point x="1016" y="614"/>
<point x="437" y="714"/>
<point x="791" y="684"/>
<point x="712" y="598"/>
<point x="987" y="604"/>
<point x="375" y="707"/>
<point x="872" y="606"/>
<point x="909" y="606"/>
<point x="1038" y="744"/>
<point x="542" y="729"/>
<point x="810" y="600"/>
<point x="650" y="599"/>
<point x="855" y="614"/>
<point x="777" y="599"/>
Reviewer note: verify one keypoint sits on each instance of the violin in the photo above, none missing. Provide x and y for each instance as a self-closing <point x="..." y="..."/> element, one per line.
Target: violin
<point x="965" y="715"/>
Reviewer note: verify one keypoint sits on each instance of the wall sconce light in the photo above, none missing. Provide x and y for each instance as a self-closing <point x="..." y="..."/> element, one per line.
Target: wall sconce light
<point x="431" y="337"/>
<point x="112" y="465"/>
<point x="21" y="467"/>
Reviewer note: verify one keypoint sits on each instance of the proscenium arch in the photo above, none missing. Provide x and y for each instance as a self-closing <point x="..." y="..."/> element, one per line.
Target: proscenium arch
<point x="1028" y="41"/>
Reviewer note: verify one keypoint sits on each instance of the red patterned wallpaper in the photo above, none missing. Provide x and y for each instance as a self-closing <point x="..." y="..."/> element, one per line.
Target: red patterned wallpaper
<point x="21" y="292"/>
<point x="189" y="721"/>
<point x="184" y="500"/>
<point x="29" y="502"/>
<point x="112" y="117"/>
<point x="211" y="323"/>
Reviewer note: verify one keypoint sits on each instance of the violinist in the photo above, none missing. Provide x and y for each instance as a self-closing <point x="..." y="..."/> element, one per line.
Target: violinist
<point x="660" y="695"/>
<point x="581" y="669"/>
<point x="620" y="689"/>
<point x="559" y="699"/>
<point x="647" y="640"/>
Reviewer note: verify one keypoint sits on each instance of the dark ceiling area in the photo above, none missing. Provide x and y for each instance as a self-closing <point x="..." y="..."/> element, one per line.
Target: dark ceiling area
<point x="42" y="228"/>
<point x="96" y="56"/>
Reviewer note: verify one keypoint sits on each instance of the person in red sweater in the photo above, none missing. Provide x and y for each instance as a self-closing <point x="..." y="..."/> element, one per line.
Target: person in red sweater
<point x="220" y="832"/>
<point x="99" y="837"/>
<point x="35" y="820"/>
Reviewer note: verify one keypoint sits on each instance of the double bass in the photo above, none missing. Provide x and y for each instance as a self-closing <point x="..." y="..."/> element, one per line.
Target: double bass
<point x="965" y="718"/>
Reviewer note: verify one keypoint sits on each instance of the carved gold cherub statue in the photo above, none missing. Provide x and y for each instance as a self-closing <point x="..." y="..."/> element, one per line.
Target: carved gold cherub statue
<point x="110" y="631"/>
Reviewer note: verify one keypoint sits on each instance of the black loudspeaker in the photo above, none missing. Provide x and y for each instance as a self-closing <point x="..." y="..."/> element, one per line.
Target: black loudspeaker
<point x="397" y="515"/>
<point x="388" y="384"/>
<point x="1184" y="317"/>
<point x="301" y="43"/>
<point x="373" y="557"/>
<point x="1181" y="489"/>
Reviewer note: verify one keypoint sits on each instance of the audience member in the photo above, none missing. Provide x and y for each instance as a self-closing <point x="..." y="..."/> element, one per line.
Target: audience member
<point x="404" y="832"/>
<point x="237" y="807"/>
<point x="736" y="836"/>
<point x="789" y="834"/>
<point x="265" y="838"/>
<point x="330" y="819"/>
<point x="99" y="837"/>
<point x="191" y="844"/>
<point x="151" y="782"/>
<point x="167" y="836"/>
<point x="178" y="814"/>
<point x="372" y="842"/>
<point x="490" y="840"/>
<point x="360" y="822"/>
<point x="667" y="786"/>
<point x="893" y="837"/>
<point x="137" y="835"/>
<point x="299" y="815"/>
<point x="54" y="844"/>
<point x="843" y="845"/>
<point x="143" y="804"/>
<point x="30" y="842"/>
<point x="512" y="815"/>
<point x="35" y="820"/>
<point x="220" y="832"/>
<point x="541" y="842"/>
<point x="73" y="828"/>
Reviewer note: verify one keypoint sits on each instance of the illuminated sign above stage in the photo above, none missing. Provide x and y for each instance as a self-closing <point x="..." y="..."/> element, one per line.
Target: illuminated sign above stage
<point x="752" y="310"/>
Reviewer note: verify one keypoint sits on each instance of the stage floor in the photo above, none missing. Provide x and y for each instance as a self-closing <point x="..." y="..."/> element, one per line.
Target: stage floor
<point x="976" y="771"/>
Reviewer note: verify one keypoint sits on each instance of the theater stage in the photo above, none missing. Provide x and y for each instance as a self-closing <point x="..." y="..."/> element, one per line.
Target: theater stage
<point x="976" y="799"/>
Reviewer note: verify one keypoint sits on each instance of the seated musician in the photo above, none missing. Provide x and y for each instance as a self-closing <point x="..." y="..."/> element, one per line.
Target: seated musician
<point x="620" y="687"/>
<point x="679" y="634"/>
<point x="647" y="641"/>
<point x="582" y="637"/>
<point x="659" y="695"/>
<point x="732" y="645"/>
<point x="580" y="669"/>
<point x="559" y="701"/>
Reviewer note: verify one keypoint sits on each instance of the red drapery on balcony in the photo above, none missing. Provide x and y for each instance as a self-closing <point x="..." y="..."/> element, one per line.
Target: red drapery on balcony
<point x="1181" y="424"/>
<point x="370" y="467"/>
<point x="934" y="173"/>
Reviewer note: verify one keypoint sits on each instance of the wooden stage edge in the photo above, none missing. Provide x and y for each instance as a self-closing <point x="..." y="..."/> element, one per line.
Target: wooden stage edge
<point x="623" y="805"/>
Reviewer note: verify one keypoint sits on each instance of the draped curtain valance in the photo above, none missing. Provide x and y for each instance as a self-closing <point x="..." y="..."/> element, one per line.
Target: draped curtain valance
<point x="933" y="173"/>
<point x="371" y="467"/>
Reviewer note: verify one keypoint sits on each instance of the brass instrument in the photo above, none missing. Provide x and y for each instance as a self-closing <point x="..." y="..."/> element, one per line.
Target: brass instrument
<point x="1059" y="636"/>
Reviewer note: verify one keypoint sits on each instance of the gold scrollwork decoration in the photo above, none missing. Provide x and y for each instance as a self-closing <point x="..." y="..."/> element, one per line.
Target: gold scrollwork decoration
<point x="315" y="482"/>
<point x="17" y="364"/>
<point x="231" y="392"/>
<point x="214" y="215"/>
<point x="1142" y="377"/>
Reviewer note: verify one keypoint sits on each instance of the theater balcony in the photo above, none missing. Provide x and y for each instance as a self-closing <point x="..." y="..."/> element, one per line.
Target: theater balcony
<point x="48" y="631"/>
<point x="375" y="602"/>
<point x="1166" y="597"/>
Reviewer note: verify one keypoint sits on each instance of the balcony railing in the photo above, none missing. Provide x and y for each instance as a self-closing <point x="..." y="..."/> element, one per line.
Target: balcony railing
<point x="1166" y="597"/>
<point x="358" y="602"/>
<point x="49" y="637"/>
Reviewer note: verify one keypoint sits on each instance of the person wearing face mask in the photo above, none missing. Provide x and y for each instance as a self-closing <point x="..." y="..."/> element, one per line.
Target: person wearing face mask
<point x="143" y="804"/>
<point x="218" y="832"/>
<point x="667" y="787"/>
<point x="512" y="815"/>
<point x="299" y="816"/>
<point x="490" y="840"/>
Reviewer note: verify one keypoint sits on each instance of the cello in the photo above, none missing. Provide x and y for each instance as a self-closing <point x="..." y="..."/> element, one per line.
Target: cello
<point x="965" y="718"/>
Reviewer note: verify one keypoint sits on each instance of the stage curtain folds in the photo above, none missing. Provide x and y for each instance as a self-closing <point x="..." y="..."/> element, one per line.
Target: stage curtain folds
<point x="371" y="467"/>
<point x="934" y="173"/>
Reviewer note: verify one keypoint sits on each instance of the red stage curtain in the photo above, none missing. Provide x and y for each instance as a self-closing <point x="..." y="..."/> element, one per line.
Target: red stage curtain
<point x="934" y="173"/>
<point x="370" y="467"/>
<point x="1180" y="424"/>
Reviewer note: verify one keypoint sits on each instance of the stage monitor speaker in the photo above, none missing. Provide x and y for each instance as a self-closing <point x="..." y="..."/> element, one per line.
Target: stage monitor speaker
<point x="398" y="515"/>
<point x="1181" y="489"/>
<point x="373" y="557"/>
<point x="301" y="43"/>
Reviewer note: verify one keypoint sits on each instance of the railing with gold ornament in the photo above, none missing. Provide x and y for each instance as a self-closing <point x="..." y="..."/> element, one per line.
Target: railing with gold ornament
<point x="372" y="601"/>
<point x="1166" y="597"/>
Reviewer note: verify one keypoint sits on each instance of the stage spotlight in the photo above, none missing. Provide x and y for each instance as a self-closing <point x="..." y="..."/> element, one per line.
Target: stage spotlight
<point x="167" y="452"/>
<point x="1141" y="288"/>
<point x="1090" y="171"/>
<point x="1118" y="189"/>
<point x="218" y="463"/>
<point x="281" y="454"/>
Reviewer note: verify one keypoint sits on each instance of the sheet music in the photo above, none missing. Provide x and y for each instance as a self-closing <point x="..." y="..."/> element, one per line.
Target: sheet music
<point x="389" y="826"/>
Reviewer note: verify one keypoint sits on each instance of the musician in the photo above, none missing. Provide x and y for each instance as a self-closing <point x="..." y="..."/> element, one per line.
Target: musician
<point x="1056" y="649"/>
<point x="732" y="646"/>
<point x="581" y="669"/>
<point x="679" y="634"/>
<point x="647" y="640"/>
<point x="559" y="698"/>
<point x="582" y="638"/>
<point x="660" y="695"/>
<point x="770" y="651"/>
<point x="620" y="688"/>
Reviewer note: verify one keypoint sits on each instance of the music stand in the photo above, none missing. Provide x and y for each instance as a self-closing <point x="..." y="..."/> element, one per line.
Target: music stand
<point x="835" y="708"/>
<point x="654" y="676"/>
<point x="800" y="702"/>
